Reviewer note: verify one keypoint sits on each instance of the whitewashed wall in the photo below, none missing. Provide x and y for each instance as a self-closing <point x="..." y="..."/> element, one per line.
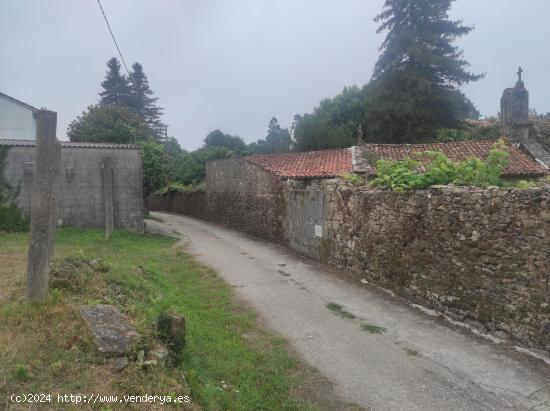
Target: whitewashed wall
<point x="16" y="121"/>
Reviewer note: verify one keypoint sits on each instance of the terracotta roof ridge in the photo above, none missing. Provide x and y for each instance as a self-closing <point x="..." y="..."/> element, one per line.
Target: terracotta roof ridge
<point x="431" y="144"/>
<point x="297" y="152"/>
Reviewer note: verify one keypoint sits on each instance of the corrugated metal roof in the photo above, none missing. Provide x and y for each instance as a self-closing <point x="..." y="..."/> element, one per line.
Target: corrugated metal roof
<point x="70" y="144"/>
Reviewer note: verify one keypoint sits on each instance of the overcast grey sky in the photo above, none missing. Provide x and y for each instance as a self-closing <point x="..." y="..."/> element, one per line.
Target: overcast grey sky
<point x="233" y="64"/>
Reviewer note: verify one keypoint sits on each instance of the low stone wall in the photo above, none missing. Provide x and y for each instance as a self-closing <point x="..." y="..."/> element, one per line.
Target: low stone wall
<point x="192" y="203"/>
<point x="238" y="194"/>
<point x="246" y="197"/>
<point x="480" y="256"/>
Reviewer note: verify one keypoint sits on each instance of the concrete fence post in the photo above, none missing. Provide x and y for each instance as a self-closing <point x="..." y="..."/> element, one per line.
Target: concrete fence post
<point x="43" y="204"/>
<point x="108" y="171"/>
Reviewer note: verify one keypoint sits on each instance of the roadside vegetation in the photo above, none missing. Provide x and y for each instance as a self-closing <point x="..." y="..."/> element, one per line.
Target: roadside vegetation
<point x="11" y="219"/>
<point x="435" y="168"/>
<point x="228" y="362"/>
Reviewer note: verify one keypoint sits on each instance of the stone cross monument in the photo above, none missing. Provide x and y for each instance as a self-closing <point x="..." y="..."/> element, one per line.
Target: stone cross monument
<point x="514" y="109"/>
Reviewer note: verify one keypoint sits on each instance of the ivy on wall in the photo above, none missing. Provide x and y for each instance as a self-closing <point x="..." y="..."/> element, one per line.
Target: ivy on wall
<point x="11" y="219"/>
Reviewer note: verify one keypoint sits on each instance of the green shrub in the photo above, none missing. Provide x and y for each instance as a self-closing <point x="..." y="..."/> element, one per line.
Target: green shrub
<point x="181" y="188"/>
<point x="537" y="182"/>
<point x="522" y="184"/>
<point x="479" y="173"/>
<point x="398" y="175"/>
<point x="414" y="174"/>
<point x="353" y="178"/>
<point x="11" y="219"/>
<point x="446" y="135"/>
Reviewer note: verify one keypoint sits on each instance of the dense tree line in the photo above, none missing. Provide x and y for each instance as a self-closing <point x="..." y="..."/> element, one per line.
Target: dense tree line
<point x="413" y="96"/>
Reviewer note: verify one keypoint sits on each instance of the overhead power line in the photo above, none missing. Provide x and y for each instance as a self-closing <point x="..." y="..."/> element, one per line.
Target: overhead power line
<point x="113" y="36"/>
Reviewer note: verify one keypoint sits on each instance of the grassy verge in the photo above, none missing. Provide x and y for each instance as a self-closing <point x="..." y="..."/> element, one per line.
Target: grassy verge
<point x="229" y="362"/>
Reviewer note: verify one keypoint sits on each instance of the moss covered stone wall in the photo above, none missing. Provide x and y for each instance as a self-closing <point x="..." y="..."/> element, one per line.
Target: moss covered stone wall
<point x="479" y="256"/>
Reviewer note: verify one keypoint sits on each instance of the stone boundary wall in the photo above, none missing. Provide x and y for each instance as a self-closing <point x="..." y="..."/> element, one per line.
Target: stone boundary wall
<point x="238" y="194"/>
<point x="244" y="196"/>
<point x="192" y="203"/>
<point x="480" y="256"/>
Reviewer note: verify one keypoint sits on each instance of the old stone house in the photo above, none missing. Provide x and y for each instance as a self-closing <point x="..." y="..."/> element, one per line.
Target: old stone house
<point x="280" y="197"/>
<point x="472" y="254"/>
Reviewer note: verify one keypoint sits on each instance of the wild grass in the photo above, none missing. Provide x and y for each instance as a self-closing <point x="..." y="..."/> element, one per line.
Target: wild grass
<point x="372" y="328"/>
<point x="46" y="348"/>
<point x="339" y="310"/>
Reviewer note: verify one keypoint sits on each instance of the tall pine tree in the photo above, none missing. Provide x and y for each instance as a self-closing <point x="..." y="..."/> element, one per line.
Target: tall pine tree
<point x="415" y="85"/>
<point x="143" y="102"/>
<point x="116" y="88"/>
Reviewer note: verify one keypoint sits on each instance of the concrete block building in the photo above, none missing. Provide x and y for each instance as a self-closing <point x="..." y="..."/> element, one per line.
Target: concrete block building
<point x="82" y="195"/>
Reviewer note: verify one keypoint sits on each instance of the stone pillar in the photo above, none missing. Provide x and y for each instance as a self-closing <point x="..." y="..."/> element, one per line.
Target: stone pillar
<point x="108" y="171"/>
<point x="43" y="204"/>
<point x="514" y="109"/>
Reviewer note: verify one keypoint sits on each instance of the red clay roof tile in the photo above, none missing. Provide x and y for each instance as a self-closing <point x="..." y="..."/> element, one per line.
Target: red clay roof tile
<point x="322" y="164"/>
<point x="519" y="163"/>
<point x="332" y="163"/>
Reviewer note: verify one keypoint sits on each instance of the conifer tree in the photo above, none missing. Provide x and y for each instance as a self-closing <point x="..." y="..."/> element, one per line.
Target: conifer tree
<point x="116" y="88"/>
<point x="415" y="85"/>
<point x="143" y="102"/>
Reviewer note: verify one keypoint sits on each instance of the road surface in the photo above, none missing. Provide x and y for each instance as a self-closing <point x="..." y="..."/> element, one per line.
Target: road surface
<point x="390" y="356"/>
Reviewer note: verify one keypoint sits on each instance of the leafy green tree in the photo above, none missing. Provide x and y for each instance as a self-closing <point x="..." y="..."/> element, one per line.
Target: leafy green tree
<point x="278" y="140"/>
<point x="173" y="147"/>
<point x="143" y="102"/>
<point x="415" y="85"/>
<point x="312" y="132"/>
<point x="108" y="124"/>
<point x="190" y="168"/>
<point x="334" y="123"/>
<point x="217" y="138"/>
<point x="116" y="88"/>
<point x="173" y="152"/>
<point x="155" y="168"/>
